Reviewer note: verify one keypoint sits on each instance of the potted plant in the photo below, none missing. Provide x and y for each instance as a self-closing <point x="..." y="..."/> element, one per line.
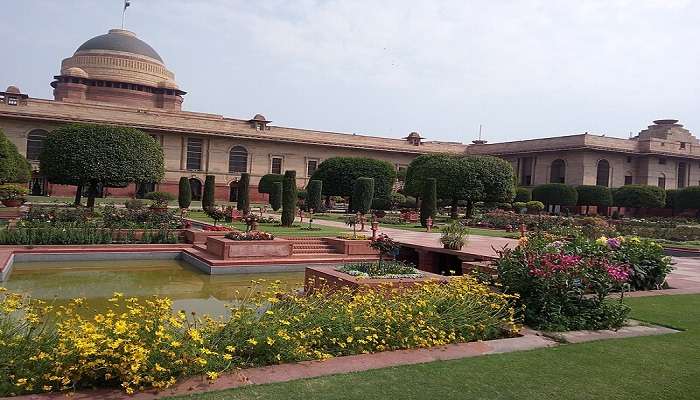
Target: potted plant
<point x="386" y="246"/>
<point x="160" y="201"/>
<point x="454" y="236"/>
<point x="12" y="195"/>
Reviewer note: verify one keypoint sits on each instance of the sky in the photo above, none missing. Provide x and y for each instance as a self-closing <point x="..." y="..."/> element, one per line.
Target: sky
<point x="522" y="69"/>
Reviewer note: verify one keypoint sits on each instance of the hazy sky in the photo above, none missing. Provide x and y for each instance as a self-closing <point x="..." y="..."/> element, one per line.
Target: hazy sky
<point x="523" y="69"/>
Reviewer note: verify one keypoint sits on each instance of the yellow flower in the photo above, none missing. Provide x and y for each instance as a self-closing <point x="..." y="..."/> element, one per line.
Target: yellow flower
<point x="252" y="341"/>
<point x="211" y="375"/>
<point x="120" y="327"/>
<point x="228" y="357"/>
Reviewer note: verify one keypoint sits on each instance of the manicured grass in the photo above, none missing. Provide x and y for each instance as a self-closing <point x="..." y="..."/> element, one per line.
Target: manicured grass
<point x="653" y="367"/>
<point x="294" y="231"/>
<point x="118" y="200"/>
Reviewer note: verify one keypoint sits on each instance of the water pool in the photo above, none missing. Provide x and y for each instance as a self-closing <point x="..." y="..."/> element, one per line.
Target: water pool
<point x="190" y="289"/>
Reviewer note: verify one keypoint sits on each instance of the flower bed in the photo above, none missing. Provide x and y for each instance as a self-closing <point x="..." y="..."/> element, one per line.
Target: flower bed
<point x="248" y="245"/>
<point x="141" y="344"/>
<point x="385" y="270"/>
<point x="252" y="235"/>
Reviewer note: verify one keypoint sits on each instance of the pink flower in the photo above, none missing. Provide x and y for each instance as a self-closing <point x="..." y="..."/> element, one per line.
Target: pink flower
<point x="614" y="243"/>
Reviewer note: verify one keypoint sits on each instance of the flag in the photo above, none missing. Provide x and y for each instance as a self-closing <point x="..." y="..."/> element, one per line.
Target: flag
<point x="127" y="3"/>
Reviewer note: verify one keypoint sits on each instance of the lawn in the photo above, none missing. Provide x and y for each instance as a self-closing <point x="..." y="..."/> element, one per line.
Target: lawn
<point x="117" y="200"/>
<point x="653" y="367"/>
<point x="294" y="231"/>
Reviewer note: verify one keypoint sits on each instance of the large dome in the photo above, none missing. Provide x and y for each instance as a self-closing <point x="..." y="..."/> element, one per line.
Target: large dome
<point x="119" y="40"/>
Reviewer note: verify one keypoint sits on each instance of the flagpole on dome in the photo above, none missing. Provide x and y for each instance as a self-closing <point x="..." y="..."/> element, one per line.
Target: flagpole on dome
<point x="127" y="3"/>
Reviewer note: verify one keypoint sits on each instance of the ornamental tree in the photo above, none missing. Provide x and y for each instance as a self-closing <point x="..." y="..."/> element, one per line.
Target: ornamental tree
<point x="340" y="173"/>
<point x="592" y="195"/>
<point x="522" y="195"/>
<point x="276" y="196"/>
<point x="555" y="194"/>
<point x="243" y="203"/>
<point x="87" y="155"/>
<point x="363" y="194"/>
<point x="209" y="192"/>
<point x="686" y="198"/>
<point x="184" y="196"/>
<point x="266" y="184"/>
<point x="13" y="166"/>
<point x="313" y="195"/>
<point x="289" y="198"/>
<point x="429" y="204"/>
<point x="640" y="196"/>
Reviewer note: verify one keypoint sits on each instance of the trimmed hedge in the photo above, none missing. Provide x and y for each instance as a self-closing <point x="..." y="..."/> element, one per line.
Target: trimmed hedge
<point x="243" y="203"/>
<point x="208" y="195"/>
<point x="688" y="198"/>
<point x="340" y="173"/>
<point x="590" y="195"/>
<point x="640" y="196"/>
<point x="555" y="194"/>
<point x="276" y="196"/>
<point x="522" y="195"/>
<point x="266" y="184"/>
<point x="671" y="199"/>
<point x="289" y="198"/>
<point x="428" y="204"/>
<point x="314" y="199"/>
<point x="184" y="196"/>
<point x="362" y="195"/>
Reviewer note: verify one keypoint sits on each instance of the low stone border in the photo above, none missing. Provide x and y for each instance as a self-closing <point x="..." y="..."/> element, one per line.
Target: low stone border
<point x="529" y="340"/>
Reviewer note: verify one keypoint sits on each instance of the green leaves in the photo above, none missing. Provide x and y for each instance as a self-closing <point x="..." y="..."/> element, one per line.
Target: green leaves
<point x="340" y="173"/>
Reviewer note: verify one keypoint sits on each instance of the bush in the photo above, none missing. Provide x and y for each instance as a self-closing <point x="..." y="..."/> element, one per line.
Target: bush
<point x="13" y="166"/>
<point x="454" y="236"/>
<point x="251" y="235"/>
<point x="671" y="202"/>
<point x="134" y="204"/>
<point x="315" y="198"/>
<point x="209" y="192"/>
<point x="267" y="182"/>
<point x="590" y="195"/>
<point x="519" y="206"/>
<point x="276" y="196"/>
<point x="160" y="199"/>
<point x="243" y="203"/>
<point x="687" y="198"/>
<point x="428" y="204"/>
<point x="216" y="214"/>
<point x="363" y="194"/>
<point x="522" y="195"/>
<point x="640" y="196"/>
<point x="534" y="206"/>
<point x="340" y="173"/>
<point x="12" y="192"/>
<point x="184" y="194"/>
<point x="381" y="204"/>
<point x="385" y="270"/>
<point x="289" y="198"/>
<point x="555" y="194"/>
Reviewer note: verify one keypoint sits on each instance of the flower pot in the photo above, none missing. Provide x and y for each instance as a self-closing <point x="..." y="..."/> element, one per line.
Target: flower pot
<point x="12" y="202"/>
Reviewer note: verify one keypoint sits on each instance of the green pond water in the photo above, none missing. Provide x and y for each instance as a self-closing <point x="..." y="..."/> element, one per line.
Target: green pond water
<point x="96" y="281"/>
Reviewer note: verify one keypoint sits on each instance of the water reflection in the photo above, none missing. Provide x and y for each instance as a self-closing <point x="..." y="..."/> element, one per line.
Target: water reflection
<point x="190" y="289"/>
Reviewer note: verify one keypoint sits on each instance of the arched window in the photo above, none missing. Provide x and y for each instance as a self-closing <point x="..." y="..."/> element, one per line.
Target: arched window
<point x="35" y="142"/>
<point x="237" y="160"/>
<point x="603" y="173"/>
<point x="557" y="172"/>
<point x="662" y="181"/>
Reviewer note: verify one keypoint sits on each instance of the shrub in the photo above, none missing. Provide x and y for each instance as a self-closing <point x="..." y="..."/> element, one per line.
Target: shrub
<point x="209" y="192"/>
<point x="397" y="200"/>
<point x="649" y="264"/>
<point x="267" y="182"/>
<point x="534" y="206"/>
<point x="289" y="198"/>
<point x="160" y="199"/>
<point x="276" y="196"/>
<point x="428" y="204"/>
<point x="12" y="192"/>
<point x="519" y="206"/>
<point x="315" y="200"/>
<point x="184" y="194"/>
<point x="13" y="166"/>
<point x="134" y="204"/>
<point x="251" y="235"/>
<point x="216" y="214"/>
<point x="590" y="195"/>
<point x="671" y="202"/>
<point x="640" y="196"/>
<point x="555" y="194"/>
<point x="385" y="270"/>
<point x="363" y="194"/>
<point x="386" y="246"/>
<point x="454" y="236"/>
<point x="340" y="173"/>
<point x="243" y="203"/>
<point x="381" y="204"/>
<point x="687" y="198"/>
<point x="522" y="195"/>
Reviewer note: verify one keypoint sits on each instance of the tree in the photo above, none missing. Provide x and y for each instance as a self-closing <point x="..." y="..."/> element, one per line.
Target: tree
<point x="340" y="173"/>
<point x="14" y="168"/>
<point x="687" y="198"/>
<point x="672" y="200"/>
<point x="100" y="155"/>
<point x="522" y="195"/>
<point x="592" y="195"/>
<point x="313" y="195"/>
<point x="640" y="196"/>
<point x="184" y="196"/>
<point x="276" y="196"/>
<point x="243" y="203"/>
<point x="266" y="184"/>
<point x="289" y="198"/>
<point x="363" y="194"/>
<point x="555" y="194"/>
<point x="429" y="203"/>
<point x="209" y="191"/>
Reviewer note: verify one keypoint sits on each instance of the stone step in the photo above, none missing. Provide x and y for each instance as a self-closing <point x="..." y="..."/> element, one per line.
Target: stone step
<point x="315" y="251"/>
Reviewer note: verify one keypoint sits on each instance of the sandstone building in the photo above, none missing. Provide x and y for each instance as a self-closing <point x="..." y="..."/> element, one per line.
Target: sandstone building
<point x="116" y="78"/>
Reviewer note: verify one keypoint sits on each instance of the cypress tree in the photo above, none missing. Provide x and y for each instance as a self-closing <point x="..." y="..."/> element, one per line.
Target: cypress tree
<point x="184" y="197"/>
<point x="313" y="195"/>
<point x="276" y="196"/>
<point x="362" y="195"/>
<point x="289" y="198"/>
<point x="208" y="195"/>
<point x="429" y="201"/>
<point x="243" y="203"/>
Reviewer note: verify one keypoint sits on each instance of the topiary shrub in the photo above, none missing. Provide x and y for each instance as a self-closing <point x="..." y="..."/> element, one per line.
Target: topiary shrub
<point x="551" y="194"/>
<point x="13" y="166"/>
<point x="276" y="196"/>
<point x="340" y="173"/>
<point x="289" y="198"/>
<point x="362" y="195"/>
<point x="381" y="203"/>
<point x="671" y="199"/>
<point x="184" y="196"/>
<point x="209" y="190"/>
<point x="314" y="198"/>
<point x="429" y="203"/>
<point x="243" y="203"/>
<point x="687" y="198"/>
<point x="534" y="207"/>
<point x="640" y="196"/>
<point x="519" y="206"/>
<point x="522" y="195"/>
<point x="266" y="184"/>
<point x="590" y="195"/>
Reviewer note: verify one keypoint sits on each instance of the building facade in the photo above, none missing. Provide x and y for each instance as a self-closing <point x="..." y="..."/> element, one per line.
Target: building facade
<point x="118" y="79"/>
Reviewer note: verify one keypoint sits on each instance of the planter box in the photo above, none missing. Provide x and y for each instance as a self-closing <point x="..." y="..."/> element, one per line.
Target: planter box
<point x="198" y="236"/>
<point x="228" y="249"/>
<point x="352" y="247"/>
<point x="318" y="277"/>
